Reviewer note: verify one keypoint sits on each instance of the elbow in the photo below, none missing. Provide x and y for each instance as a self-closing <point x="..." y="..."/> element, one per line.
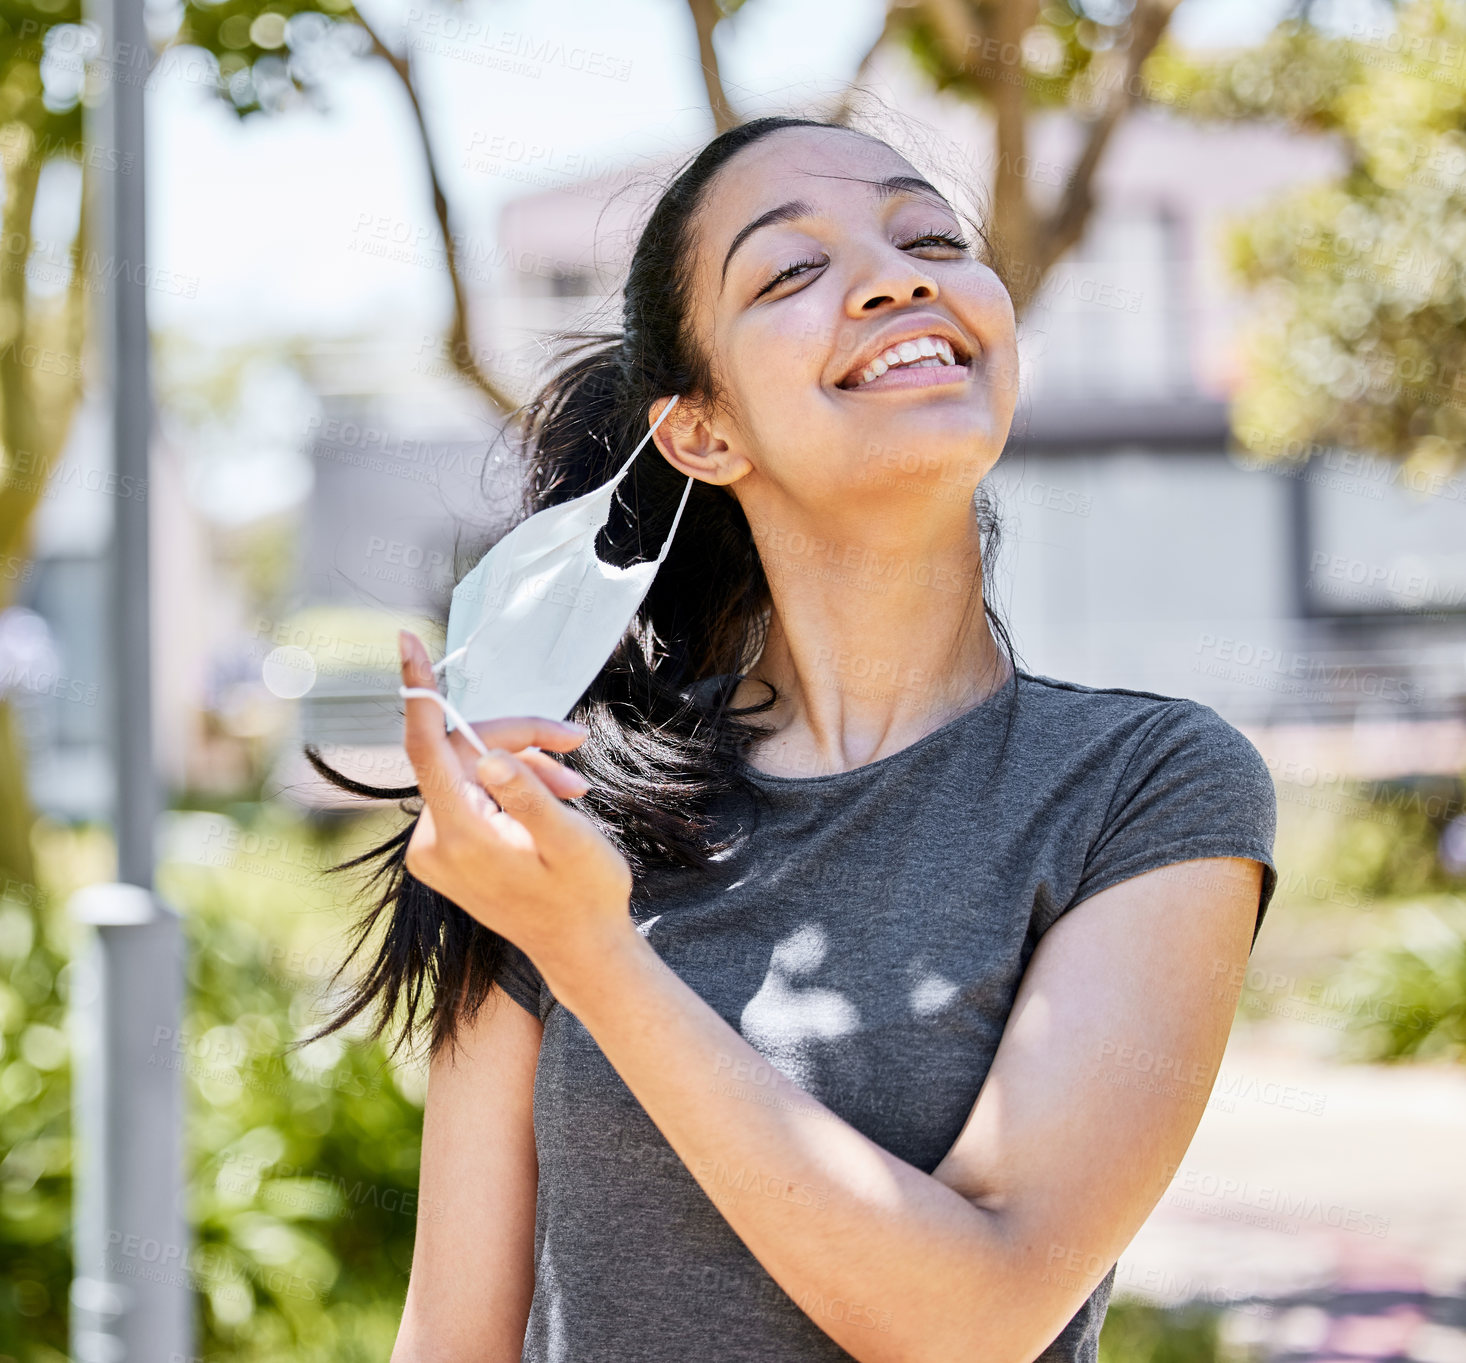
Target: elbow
<point x="1016" y="1296"/>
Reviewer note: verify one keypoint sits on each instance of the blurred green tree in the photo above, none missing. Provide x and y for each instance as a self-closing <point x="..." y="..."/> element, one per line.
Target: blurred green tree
<point x="40" y="330"/>
<point x="303" y="1166"/>
<point x="1358" y="336"/>
<point x="1137" y="1332"/>
<point x="35" y="1129"/>
<point x="1017" y="59"/>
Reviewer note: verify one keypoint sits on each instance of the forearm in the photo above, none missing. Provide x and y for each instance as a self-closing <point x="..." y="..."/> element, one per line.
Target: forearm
<point x="889" y="1262"/>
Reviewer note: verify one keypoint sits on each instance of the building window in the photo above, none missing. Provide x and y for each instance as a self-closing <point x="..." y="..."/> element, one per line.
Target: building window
<point x="1108" y="323"/>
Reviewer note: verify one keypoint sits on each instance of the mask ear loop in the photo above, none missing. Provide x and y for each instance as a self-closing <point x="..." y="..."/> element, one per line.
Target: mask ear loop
<point x="667" y="544"/>
<point x="652" y="430"/>
<point x="427" y="693"/>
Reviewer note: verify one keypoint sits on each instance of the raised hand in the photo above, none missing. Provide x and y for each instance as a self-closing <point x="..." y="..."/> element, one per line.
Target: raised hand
<point x="496" y="835"/>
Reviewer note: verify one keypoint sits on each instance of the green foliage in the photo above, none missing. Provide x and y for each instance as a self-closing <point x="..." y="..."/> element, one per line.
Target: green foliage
<point x="304" y="1164"/>
<point x="1292" y="77"/>
<point x="1386" y="844"/>
<point x="35" y="1104"/>
<point x="1358" y="334"/>
<point x="53" y="115"/>
<point x="272" y="54"/>
<point x="1136" y="1332"/>
<point x="1387" y="919"/>
<point x="303" y="1192"/>
<point x="1052" y="64"/>
<point x="1415" y="991"/>
<point x="302" y="1172"/>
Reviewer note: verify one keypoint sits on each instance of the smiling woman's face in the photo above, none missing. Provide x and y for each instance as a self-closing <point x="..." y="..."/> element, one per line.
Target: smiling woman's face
<point x="793" y="312"/>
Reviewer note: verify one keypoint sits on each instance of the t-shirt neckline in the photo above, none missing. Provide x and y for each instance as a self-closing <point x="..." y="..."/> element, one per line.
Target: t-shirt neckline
<point x="951" y="726"/>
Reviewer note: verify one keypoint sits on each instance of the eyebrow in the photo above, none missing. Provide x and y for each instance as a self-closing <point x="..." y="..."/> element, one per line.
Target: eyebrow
<point x="802" y="208"/>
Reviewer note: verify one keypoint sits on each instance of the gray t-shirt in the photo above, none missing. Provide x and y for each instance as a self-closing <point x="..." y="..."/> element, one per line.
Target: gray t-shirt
<point x="867" y="937"/>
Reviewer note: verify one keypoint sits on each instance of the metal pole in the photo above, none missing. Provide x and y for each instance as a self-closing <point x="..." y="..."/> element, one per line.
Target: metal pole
<point x="132" y="418"/>
<point x="132" y="1295"/>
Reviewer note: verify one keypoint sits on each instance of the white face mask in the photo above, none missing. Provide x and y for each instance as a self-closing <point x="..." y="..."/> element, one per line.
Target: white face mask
<point x="535" y="621"/>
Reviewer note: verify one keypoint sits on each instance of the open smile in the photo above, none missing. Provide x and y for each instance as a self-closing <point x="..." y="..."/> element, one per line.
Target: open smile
<point x="923" y="362"/>
<point x="929" y="374"/>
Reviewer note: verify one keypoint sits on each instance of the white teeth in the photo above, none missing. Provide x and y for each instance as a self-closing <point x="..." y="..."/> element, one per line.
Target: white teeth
<point x="918" y="354"/>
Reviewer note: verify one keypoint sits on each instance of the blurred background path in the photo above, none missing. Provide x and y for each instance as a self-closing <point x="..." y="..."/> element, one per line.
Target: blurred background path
<point x="1321" y="1205"/>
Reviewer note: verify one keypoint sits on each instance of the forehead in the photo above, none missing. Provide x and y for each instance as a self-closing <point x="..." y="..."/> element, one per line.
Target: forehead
<point x="821" y="165"/>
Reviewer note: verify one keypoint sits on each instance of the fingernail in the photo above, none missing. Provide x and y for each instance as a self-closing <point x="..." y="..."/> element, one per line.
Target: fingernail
<point x="573" y="726"/>
<point x="496" y="766"/>
<point x="403" y="647"/>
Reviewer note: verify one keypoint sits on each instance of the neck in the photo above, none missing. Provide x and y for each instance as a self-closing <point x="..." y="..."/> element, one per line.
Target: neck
<point x="870" y="646"/>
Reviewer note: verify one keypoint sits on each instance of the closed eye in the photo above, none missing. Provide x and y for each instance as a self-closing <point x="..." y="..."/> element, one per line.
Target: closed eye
<point x="789" y="271"/>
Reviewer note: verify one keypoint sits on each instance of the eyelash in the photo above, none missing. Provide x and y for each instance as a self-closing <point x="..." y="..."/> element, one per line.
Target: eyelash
<point x="950" y="238"/>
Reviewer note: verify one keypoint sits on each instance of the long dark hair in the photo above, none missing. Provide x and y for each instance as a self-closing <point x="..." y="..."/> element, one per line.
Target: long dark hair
<point x="657" y="752"/>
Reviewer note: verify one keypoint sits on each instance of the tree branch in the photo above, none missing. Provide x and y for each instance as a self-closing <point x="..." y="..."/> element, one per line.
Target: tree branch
<point x="460" y="338"/>
<point x="1063" y="228"/>
<point x="705" y="17"/>
<point x="958" y="27"/>
<point x="28" y="464"/>
<point x="1013" y="210"/>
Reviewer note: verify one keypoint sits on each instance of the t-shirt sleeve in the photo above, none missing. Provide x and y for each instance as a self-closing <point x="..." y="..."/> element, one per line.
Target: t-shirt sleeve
<point x="518" y="977"/>
<point x="1194" y="786"/>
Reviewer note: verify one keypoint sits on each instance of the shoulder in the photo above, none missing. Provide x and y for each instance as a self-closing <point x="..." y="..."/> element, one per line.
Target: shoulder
<point x="1161" y="778"/>
<point x="1079" y="697"/>
<point x="1166" y="746"/>
<point x="1121" y="718"/>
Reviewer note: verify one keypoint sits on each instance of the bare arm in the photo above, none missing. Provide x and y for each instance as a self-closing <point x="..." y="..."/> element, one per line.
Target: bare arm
<point x="1068" y="1147"/>
<point x="472" y="1278"/>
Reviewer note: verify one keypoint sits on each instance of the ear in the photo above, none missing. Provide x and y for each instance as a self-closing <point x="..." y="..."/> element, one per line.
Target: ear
<point x="690" y="444"/>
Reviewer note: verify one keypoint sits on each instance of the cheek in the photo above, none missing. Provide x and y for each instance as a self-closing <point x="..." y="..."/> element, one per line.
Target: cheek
<point x="806" y="332"/>
<point x="784" y="415"/>
<point x="777" y="371"/>
<point x="789" y="344"/>
<point x="994" y="308"/>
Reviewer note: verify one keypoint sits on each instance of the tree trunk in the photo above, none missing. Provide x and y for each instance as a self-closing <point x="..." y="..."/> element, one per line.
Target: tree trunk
<point x="36" y="407"/>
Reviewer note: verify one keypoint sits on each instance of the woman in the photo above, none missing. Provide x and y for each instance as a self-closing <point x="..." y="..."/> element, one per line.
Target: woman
<point x="871" y="1029"/>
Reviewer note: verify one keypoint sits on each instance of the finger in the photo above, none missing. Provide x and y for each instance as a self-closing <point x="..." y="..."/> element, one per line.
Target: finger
<point x="522" y="795"/>
<point x="524" y="731"/>
<point x="439" y="774"/>
<point x="560" y="779"/>
<point x="468" y="757"/>
<point x="477" y="800"/>
<point x="563" y="782"/>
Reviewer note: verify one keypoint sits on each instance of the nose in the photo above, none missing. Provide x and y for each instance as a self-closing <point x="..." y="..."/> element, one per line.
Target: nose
<point x="892" y="278"/>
